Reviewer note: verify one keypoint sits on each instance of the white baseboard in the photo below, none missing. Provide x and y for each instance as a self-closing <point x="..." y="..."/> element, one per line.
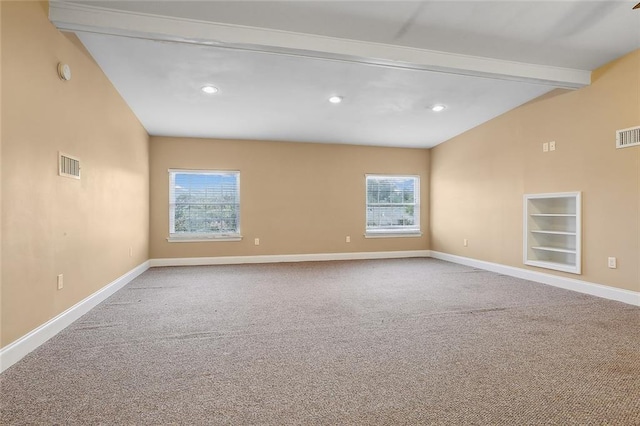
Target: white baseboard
<point x="234" y="260"/>
<point x="599" y="290"/>
<point x="17" y="350"/>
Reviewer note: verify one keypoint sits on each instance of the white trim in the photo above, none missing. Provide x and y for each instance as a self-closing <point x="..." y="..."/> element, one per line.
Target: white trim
<point x="389" y="234"/>
<point x="593" y="289"/>
<point x="83" y="18"/>
<point x="17" y="350"/>
<point x="317" y="257"/>
<point x="232" y="172"/>
<point x="204" y="239"/>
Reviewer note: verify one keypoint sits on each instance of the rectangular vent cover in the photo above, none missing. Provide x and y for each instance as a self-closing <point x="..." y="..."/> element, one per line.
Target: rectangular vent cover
<point x="68" y="166"/>
<point x="628" y="137"/>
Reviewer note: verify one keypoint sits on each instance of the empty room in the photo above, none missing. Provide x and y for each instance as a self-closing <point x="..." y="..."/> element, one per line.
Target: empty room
<point x="320" y="212"/>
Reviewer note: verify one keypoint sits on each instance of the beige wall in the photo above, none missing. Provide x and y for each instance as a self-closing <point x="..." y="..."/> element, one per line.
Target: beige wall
<point x="53" y="225"/>
<point x="478" y="178"/>
<point x="297" y="198"/>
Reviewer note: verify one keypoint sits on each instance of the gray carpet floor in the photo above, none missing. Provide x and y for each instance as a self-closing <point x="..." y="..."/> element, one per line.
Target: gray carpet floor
<point x="384" y="342"/>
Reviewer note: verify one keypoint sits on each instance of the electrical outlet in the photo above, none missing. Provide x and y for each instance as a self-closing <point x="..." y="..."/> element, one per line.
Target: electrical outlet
<point x="130" y="251"/>
<point x="552" y="146"/>
<point x="612" y="262"/>
<point x="347" y="239"/>
<point x="60" y="281"/>
<point x="545" y="147"/>
<point x="465" y="242"/>
<point x="256" y="241"/>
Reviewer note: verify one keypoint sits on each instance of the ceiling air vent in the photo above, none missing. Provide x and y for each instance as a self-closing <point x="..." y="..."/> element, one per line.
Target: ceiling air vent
<point x="68" y="166"/>
<point x="628" y="137"/>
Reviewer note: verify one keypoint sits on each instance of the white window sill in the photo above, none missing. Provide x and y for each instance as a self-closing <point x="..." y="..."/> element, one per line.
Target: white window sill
<point x="393" y="234"/>
<point x="204" y="238"/>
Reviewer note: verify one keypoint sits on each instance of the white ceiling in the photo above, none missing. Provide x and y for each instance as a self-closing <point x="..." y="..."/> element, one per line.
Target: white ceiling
<point x="276" y="63"/>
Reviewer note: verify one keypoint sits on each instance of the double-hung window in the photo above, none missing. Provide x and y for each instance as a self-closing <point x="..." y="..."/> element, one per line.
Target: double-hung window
<point x="204" y="205"/>
<point x="393" y="205"/>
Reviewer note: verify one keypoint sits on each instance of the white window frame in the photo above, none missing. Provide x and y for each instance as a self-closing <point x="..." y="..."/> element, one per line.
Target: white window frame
<point x="200" y="236"/>
<point x="394" y="231"/>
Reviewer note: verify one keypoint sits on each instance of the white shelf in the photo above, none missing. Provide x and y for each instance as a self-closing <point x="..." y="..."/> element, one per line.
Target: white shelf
<point x="554" y="249"/>
<point x="552" y="215"/>
<point x="539" y="231"/>
<point x="558" y="266"/>
<point x="552" y="231"/>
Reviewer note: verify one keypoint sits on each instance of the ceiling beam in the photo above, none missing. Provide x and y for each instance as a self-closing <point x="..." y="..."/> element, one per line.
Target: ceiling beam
<point x="83" y="18"/>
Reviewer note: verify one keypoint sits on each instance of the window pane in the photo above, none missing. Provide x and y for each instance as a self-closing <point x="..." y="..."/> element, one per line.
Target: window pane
<point x="393" y="203"/>
<point x="204" y="202"/>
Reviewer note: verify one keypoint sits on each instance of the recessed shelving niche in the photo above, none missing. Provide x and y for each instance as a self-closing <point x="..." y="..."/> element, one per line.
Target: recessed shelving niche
<point x="552" y="231"/>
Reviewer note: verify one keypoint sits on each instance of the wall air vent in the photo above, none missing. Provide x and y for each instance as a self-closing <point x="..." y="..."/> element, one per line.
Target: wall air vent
<point x="68" y="166"/>
<point x="628" y="137"/>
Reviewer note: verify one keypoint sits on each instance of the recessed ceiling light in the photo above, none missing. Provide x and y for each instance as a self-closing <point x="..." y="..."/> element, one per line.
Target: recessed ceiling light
<point x="438" y="108"/>
<point x="335" y="99"/>
<point x="210" y="90"/>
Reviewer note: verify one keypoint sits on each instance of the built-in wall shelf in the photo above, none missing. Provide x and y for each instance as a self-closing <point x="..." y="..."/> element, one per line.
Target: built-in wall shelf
<point x="552" y="231"/>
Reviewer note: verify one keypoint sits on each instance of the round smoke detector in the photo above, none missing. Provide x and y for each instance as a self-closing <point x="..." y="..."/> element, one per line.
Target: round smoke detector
<point x="64" y="71"/>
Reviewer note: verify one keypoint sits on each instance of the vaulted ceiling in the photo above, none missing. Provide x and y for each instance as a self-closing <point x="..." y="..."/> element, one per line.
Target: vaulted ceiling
<point x="276" y="63"/>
